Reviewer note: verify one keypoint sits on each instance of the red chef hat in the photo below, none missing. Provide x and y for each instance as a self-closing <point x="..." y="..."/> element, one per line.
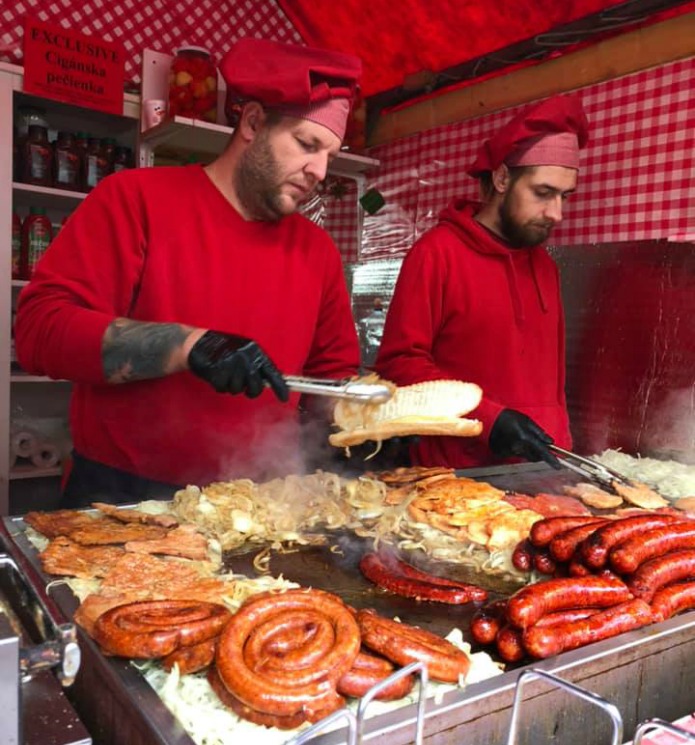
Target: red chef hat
<point x="308" y="83"/>
<point x="548" y="133"/>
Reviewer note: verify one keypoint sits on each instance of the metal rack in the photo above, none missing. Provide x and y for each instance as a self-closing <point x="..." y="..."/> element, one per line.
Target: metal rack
<point x="355" y="723"/>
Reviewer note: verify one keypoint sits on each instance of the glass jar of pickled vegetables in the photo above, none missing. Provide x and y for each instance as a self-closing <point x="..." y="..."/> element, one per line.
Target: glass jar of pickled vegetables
<point x="193" y="84"/>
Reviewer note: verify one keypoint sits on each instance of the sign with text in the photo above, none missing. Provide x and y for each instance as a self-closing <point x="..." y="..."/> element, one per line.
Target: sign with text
<point x="72" y="67"/>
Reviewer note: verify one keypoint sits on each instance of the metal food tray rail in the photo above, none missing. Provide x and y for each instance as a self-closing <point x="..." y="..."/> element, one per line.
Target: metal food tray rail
<point x="532" y="673"/>
<point x="355" y="734"/>
<point x="662" y="725"/>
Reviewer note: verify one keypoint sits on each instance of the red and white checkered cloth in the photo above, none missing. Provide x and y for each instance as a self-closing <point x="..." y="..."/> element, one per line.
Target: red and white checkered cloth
<point x="161" y="25"/>
<point x="636" y="181"/>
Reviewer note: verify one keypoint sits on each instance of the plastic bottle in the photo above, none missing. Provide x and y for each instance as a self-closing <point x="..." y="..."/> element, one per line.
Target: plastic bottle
<point x="66" y="159"/>
<point x="16" y="246"/>
<point x="36" y="235"/>
<point x="122" y="158"/>
<point x="37" y="157"/>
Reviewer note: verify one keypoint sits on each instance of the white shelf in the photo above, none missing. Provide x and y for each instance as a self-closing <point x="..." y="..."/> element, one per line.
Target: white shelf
<point x="196" y="136"/>
<point x="45" y="196"/>
<point x="32" y="472"/>
<point x="20" y="282"/>
<point x="26" y="378"/>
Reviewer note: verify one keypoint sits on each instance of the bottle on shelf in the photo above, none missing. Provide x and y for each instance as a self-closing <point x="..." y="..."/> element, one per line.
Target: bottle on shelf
<point x="108" y="146"/>
<point x="122" y="158"/>
<point x="37" y="233"/>
<point x="16" y="246"/>
<point x="66" y="162"/>
<point x="95" y="164"/>
<point x="37" y="157"/>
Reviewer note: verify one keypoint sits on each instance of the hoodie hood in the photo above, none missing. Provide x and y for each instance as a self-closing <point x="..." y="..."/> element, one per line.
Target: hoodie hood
<point x="459" y="217"/>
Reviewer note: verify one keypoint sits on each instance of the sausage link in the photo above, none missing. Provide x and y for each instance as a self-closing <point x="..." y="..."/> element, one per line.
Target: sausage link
<point x="543" y="562"/>
<point x="595" y="549"/>
<point x="673" y="599"/>
<point x="522" y="555"/>
<point x="486" y="621"/>
<point x="546" y="641"/>
<point x="509" y="645"/>
<point x="155" y="628"/>
<point x="369" y="670"/>
<point x="404" y="644"/>
<point x="563" y="546"/>
<point x="243" y="711"/>
<point x="661" y="571"/>
<point x="566" y="616"/>
<point x="577" y="568"/>
<point x="191" y="659"/>
<point x="385" y="576"/>
<point x="543" y="531"/>
<point x="285" y="693"/>
<point x="531" y="603"/>
<point x="629" y="554"/>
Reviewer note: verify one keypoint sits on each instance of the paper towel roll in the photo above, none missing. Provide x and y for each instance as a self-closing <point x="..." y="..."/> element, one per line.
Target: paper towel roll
<point x="47" y="456"/>
<point x="24" y="443"/>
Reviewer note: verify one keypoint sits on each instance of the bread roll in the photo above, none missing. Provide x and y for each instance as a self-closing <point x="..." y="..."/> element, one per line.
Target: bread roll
<point x="431" y="408"/>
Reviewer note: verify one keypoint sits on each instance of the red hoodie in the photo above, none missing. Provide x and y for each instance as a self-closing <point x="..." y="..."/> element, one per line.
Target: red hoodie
<point x="468" y="306"/>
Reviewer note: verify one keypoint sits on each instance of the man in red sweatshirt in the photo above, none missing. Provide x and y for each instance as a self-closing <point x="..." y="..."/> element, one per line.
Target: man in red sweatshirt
<point x="478" y="297"/>
<point x="170" y="287"/>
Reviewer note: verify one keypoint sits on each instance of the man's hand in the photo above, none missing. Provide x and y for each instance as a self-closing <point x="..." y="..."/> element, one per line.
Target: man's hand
<point x="235" y="364"/>
<point x="513" y="433"/>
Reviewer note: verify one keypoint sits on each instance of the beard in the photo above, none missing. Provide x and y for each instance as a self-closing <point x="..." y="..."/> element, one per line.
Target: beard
<point x="257" y="181"/>
<point x="518" y="234"/>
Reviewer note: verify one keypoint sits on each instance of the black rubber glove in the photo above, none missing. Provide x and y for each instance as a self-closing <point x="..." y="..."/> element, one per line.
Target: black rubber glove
<point x="235" y="364"/>
<point x="513" y="433"/>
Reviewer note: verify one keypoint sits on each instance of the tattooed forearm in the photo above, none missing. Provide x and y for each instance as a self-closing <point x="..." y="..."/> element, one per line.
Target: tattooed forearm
<point x="135" y="350"/>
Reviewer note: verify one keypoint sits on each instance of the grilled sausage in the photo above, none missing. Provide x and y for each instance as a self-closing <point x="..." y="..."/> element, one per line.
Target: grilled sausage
<point x="155" y="628"/>
<point x="531" y="603"/>
<point x="310" y="689"/>
<point x="595" y="548"/>
<point x="629" y="554"/>
<point x="543" y="531"/>
<point x="252" y="715"/>
<point x="412" y="585"/>
<point x="191" y="659"/>
<point x="673" y="599"/>
<point x="546" y="641"/>
<point x="509" y="645"/>
<point x="563" y="546"/>
<point x="366" y="672"/>
<point x="522" y="556"/>
<point x="404" y="644"/>
<point x="543" y="562"/>
<point x="661" y="571"/>
<point x="487" y="620"/>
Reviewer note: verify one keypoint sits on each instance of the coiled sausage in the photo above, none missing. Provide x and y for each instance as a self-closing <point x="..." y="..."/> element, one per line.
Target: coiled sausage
<point x="155" y="628"/>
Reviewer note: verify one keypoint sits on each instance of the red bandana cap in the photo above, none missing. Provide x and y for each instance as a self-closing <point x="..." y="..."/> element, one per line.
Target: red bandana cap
<point x="304" y="82"/>
<point x="550" y="133"/>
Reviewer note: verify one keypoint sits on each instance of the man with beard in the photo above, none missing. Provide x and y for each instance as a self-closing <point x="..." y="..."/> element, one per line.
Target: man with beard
<point x="172" y="285"/>
<point x="478" y="297"/>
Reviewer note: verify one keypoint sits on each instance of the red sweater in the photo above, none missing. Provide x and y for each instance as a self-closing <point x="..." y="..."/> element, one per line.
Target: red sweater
<point x="162" y="244"/>
<point x="469" y="307"/>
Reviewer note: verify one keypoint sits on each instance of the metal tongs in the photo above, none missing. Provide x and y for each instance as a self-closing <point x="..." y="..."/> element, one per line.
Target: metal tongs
<point x="365" y="393"/>
<point x="588" y="468"/>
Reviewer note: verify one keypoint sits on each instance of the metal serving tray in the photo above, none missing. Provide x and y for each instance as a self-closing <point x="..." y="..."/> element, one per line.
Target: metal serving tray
<point x="645" y="673"/>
